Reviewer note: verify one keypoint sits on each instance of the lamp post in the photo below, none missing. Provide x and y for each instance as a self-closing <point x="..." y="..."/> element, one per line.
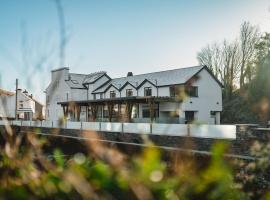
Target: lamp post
<point x="16" y="99"/>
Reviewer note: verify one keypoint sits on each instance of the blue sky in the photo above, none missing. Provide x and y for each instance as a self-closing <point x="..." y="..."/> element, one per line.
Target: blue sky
<point x="115" y="35"/>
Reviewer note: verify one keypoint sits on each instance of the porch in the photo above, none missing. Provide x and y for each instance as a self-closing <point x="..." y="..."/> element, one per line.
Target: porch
<point x="123" y="109"/>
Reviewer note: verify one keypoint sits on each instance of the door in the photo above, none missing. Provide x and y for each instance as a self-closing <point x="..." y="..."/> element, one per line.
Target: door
<point x="189" y="116"/>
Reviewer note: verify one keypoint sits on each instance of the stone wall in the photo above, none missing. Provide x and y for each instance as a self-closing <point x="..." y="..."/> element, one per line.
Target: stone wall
<point x="246" y="136"/>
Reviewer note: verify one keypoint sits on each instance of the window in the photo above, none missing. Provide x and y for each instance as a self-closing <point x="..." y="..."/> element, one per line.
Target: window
<point x="147" y="91"/>
<point x="172" y="91"/>
<point x="192" y="91"/>
<point x="129" y="93"/>
<point x="101" y="96"/>
<point x="95" y="97"/>
<point x="112" y="94"/>
<point x="189" y="115"/>
<point x="21" y="105"/>
<point x="175" y="91"/>
<point x="146" y="113"/>
<point x="213" y="114"/>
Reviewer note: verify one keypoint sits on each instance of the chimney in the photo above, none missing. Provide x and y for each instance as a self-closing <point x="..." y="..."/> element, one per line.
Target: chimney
<point x="129" y="74"/>
<point x="61" y="73"/>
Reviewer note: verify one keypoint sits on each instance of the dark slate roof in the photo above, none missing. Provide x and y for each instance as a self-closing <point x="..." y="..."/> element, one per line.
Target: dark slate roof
<point x="91" y="78"/>
<point x="78" y="81"/>
<point x="162" y="78"/>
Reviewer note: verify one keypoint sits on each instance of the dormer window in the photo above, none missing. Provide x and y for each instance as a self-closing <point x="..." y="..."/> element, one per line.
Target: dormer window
<point x="129" y="93"/>
<point x="112" y="94"/>
<point x="147" y="91"/>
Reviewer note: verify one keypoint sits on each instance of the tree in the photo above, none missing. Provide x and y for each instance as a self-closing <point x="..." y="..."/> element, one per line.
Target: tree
<point x="249" y="37"/>
<point x="259" y="93"/>
<point x="211" y="57"/>
<point x="224" y="61"/>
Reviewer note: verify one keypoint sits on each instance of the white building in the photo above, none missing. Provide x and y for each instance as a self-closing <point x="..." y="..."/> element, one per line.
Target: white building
<point x="27" y="107"/>
<point x="174" y="96"/>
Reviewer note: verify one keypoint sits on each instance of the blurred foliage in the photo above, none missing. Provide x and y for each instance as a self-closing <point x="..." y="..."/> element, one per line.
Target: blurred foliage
<point x="254" y="176"/>
<point x="105" y="173"/>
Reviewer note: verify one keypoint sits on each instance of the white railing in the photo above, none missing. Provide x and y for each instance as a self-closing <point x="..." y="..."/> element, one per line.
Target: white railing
<point x="192" y="130"/>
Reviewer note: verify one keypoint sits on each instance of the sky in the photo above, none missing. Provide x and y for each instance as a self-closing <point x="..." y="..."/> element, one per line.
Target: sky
<point x="116" y="36"/>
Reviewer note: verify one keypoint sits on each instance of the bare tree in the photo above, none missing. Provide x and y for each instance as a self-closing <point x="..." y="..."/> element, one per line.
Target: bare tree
<point x="211" y="57"/>
<point x="224" y="61"/>
<point x="249" y="37"/>
<point x="230" y="65"/>
<point x="232" y="61"/>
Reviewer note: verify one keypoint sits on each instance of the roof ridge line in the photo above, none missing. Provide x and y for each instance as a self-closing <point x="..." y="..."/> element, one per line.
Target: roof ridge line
<point x="159" y="71"/>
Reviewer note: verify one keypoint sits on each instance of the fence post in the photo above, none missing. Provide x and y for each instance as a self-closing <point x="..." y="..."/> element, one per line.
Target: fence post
<point x="21" y="122"/>
<point x="151" y="128"/>
<point x="99" y="126"/>
<point x="52" y="123"/>
<point x="122" y="127"/>
<point x="188" y="129"/>
<point x="81" y="125"/>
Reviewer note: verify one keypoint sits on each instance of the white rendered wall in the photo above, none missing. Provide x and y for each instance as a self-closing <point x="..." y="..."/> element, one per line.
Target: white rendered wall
<point x="57" y="91"/>
<point x="169" y="129"/>
<point x="164" y="91"/>
<point x="147" y="84"/>
<point x="128" y="86"/>
<point x="136" y="128"/>
<point x="107" y="93"/>
<point x="7" y="109"/>
<point x="209" y="98"/>
<point x="78" y="94"/>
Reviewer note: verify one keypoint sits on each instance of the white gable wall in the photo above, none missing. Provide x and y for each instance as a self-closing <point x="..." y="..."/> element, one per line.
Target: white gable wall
<point x="209" y="98"/>
<point x="128" y="86"/>
<point x="147" y="84"/>
<point x="111" y="88"/>
<point x="26" y="101"/>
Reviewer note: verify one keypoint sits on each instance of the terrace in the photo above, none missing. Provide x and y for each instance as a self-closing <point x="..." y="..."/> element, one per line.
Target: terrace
<point x="122" y="109"/>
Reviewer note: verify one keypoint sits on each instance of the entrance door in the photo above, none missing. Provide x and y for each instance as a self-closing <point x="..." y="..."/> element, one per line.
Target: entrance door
<point x="189" y="115"/>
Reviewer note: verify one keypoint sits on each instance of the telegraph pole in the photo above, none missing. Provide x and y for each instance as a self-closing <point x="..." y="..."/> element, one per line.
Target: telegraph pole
<point x="16" y="99"/>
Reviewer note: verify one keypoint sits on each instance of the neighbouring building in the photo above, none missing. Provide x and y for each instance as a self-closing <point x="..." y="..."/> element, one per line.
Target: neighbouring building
<point x="27" y="107"/>
<point x="180" y="95"/>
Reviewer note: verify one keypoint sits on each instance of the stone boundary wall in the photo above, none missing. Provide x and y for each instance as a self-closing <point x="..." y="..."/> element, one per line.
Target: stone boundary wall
<point x="245" y="138"/>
